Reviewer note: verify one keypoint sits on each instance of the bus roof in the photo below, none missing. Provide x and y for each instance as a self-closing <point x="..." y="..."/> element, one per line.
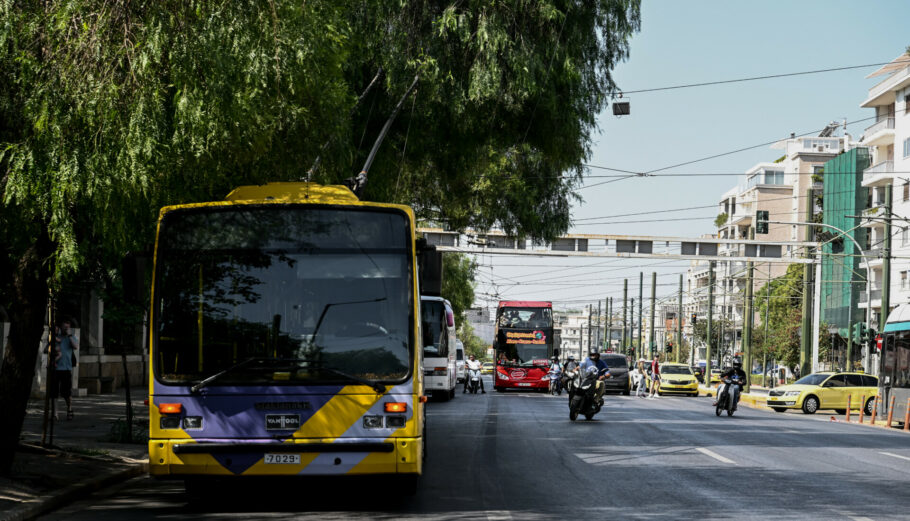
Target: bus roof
<point x="524" y="304"/>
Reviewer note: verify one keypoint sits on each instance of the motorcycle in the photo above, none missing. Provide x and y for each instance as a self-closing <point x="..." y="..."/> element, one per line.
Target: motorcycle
<point x="473" y="380"/>
<point x="725" y="402"/>
<point x="583" y="400"/>
<point x="555" y="385"/>
<point x="568" y="381"/>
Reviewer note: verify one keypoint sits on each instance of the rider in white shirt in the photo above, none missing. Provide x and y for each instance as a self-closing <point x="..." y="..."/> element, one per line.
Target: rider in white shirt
<point x="470" y="365"/>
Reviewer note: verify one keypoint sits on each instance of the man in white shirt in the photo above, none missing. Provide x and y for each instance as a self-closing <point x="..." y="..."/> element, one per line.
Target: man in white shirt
<point x="472" y="364"/>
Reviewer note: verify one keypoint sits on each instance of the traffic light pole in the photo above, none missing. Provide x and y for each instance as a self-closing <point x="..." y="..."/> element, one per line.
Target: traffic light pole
<point x="747" y="324"/>
<point x="641" y="316"/>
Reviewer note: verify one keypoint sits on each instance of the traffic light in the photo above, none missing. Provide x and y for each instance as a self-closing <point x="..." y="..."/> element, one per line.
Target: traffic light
<point x="761" y="221"/>
<point x="669" y="347"/>
<point x="859" y="333"/>
<point x="694" y="319"/>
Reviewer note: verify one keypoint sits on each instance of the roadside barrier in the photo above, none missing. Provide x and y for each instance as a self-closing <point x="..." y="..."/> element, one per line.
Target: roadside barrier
<point x="890" y="411"/>
<point x="907" y="417"/>
<point x="874" y="410"/>
<point x="862" y="408"/>
<point x="847" y="418"/>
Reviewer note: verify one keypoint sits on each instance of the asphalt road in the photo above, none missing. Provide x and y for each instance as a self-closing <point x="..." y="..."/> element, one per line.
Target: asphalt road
<point x="517" y="456"/>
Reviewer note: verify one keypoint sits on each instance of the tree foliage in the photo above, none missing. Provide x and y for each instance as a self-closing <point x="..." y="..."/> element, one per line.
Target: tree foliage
<point x="783" y="299"/>
<point x="458" y="283"/>
<point x="110" y="110"/>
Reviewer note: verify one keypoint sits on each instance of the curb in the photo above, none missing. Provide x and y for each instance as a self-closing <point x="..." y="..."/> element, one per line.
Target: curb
<point x="48" y="503"/>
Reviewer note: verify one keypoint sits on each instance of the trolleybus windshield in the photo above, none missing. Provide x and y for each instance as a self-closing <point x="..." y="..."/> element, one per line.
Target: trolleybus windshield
<point x="321" y="292"/>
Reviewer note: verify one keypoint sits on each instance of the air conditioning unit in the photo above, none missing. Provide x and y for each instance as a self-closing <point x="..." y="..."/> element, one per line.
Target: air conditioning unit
<point x="821" y="148"/>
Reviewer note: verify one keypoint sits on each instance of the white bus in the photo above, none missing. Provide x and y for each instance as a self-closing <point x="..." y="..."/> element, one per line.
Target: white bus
<point x="437" y="325"/>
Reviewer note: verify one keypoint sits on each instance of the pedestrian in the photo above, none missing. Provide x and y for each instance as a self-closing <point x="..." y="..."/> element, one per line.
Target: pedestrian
<point x="641" y="380"/>
<point x="64" y="360"/>
<point x="655" y="377"/>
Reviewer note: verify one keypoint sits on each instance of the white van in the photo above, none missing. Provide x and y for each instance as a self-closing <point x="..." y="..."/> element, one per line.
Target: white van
<point x="459" y="361"/>
<point x="437" y="325"/>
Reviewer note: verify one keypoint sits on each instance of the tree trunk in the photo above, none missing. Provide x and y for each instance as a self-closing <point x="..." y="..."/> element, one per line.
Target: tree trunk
<point x="30" y="287"/>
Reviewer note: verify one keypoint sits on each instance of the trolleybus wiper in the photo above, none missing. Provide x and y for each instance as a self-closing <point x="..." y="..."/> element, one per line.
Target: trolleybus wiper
<point x="205" y="381"/>
<point x="378" y="387"/>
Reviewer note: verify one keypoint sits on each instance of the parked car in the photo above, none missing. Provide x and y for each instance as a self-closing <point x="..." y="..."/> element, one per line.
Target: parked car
<point x="715" y="376"/>
<point x="487" y="368"/>
<point x="619" y="373"/>
<point x="677" y="378"/>
<point x="826" y="390"/>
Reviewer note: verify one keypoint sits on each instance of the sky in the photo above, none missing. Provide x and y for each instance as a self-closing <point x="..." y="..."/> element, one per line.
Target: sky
<point x="694" y="42"/>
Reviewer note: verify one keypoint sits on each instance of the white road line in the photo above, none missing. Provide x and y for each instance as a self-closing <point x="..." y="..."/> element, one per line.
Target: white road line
<point x="715" y="455"/>
<point x="894" y="455"/>
<point x="858" y="518"/>
<point x="498" y="515"/>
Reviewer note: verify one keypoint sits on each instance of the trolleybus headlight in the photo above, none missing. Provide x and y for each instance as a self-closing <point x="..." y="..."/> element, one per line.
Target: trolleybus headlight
<point x="372" y="422"/>
<point x="170" y="422"/>
<point x="192" y="422"/>
<point x="395" y="421"/>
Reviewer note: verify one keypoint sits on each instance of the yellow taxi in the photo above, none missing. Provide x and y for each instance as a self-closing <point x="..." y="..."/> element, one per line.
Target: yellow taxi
<point x="486" y="368"/>
<point x="826" y="390"/>
<point x="677" y="378"/>
<point x="715" y="376"/>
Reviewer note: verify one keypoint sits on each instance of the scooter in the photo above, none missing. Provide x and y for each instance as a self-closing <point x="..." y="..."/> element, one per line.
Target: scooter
<point x="473" y="380"/>
<point x="555" y="383"/>
<point x="569" y="382"/>
<point x="583" y="400"/>
<point x="725" y="402"/>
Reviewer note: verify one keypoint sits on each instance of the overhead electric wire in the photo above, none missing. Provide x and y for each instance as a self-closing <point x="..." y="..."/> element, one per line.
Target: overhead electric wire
<point x="756" y="78"/>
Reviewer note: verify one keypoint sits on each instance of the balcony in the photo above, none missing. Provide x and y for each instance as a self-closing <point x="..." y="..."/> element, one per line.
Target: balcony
<point x="881" y="133"/>
<point x="876" y="297"/>
<point x="883" y="93"/>
<point x="878" y="174"/>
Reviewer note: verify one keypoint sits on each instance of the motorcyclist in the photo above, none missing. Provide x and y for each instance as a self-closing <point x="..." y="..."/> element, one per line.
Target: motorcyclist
<point x="473" y="364"/>
<point x="603" y="371"/>
<point x="555" y="372"/>
<point x="737" y="377"/>
<point x="568" y="367"/>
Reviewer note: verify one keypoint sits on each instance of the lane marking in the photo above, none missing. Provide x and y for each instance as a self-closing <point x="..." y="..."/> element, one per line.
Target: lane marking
<point x="858" y="518"/>
<point x="498" y="515"/>
<point x="894" y="455"/>
<point x="715" y="455"/>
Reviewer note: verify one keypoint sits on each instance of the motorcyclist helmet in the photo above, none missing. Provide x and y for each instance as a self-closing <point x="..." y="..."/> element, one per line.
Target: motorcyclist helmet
<point x="737" y="363"/>
<point x="593" y="354"/>
<point x="572" y="357"/>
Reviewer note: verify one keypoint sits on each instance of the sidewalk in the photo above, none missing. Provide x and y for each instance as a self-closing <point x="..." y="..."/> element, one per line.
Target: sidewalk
<point x="84" y="456"/>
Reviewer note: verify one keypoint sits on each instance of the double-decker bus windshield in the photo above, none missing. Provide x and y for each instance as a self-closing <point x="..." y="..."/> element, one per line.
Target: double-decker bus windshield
<point x="288" y="295"/>
<point x="524" y="335"/>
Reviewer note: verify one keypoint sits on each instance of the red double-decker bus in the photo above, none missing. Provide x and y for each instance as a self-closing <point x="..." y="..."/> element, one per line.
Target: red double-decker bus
<point x="524" y="345"/>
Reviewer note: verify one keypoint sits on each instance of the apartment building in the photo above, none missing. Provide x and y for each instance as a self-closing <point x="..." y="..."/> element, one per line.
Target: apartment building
<point x="888" y="141"/>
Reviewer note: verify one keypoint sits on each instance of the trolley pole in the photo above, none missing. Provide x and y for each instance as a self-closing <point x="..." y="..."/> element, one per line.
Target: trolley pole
<point x="886" y="263"/>
<point x="632" y="328"/>
<point x="805" y="340"/>
<point x="651" y="325"/>
<point x="589" y="327"/>
<point x="710" y="324"/>
<point x="625" y="296"/>
<point x="679" y="315"/>
<point x="597" y="327"/>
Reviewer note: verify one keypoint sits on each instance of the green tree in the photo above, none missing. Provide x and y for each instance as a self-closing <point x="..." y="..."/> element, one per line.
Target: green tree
<point x="458" y="283"/>
<point x="783" y="298"/>
<point x="110" y="110"/>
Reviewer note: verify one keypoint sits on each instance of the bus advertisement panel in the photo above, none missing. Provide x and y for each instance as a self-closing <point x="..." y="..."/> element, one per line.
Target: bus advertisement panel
<point x="524" y="345"/>
<point x="283" y="337"/>
<point x="894" y="372"/>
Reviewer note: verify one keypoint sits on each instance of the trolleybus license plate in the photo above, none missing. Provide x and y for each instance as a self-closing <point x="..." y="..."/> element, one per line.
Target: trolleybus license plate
<point x="286" y="459"/>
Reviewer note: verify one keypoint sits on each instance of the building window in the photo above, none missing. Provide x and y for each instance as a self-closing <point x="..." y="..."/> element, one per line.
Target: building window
<point x="907" y="191"/>
<point x="907" y="147"/>
<point x="903" y="236"/>
<point x="903" y="280"/>
<point x="907" y="104"/>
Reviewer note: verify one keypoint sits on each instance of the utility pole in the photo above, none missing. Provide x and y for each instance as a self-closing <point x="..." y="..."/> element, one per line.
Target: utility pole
<point x="641" y="316"/>
<point x="651" y="325"/>
<point x="679" y="312"/>
<point x="608" y="323"/>
<point x="747" y="323"/>
<point x="710" y="323"/>
<point x="589" y="325"/>
<point x="764" y="362"/>
<point x="886" y="264"/>
<point x="805" y="338"/>
<point x="625" y="295"/>
<point x="632" y="328"/>
<point x="597" y="328"/>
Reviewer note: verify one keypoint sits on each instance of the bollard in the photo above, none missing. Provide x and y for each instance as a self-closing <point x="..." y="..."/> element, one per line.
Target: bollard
<point x="874" y="410"/>
<point x="907" y="416"/>
<point x="847" y="418"/>
<point x="890" y="411"/>
<point x="862" y="408"/>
